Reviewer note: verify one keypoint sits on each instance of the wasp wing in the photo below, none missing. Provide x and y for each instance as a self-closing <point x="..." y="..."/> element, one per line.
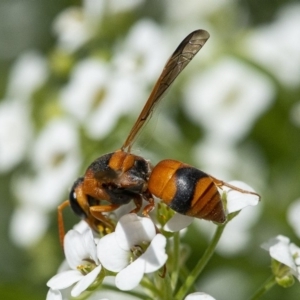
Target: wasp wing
<point x="184" y="53"/>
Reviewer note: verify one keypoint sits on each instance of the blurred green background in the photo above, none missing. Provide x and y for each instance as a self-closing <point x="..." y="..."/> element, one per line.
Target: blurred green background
<point x="106" y="55"/>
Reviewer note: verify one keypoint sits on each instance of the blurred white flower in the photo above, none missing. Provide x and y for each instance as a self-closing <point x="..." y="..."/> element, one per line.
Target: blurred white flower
<point x="15" y="133"/>
<point x="81" y="255"/>
<point x="134" y="249"/>
<point x="237" y="235"/>
<point x="73" y="26"/>
<point x="56" y="161"/>
<point x="142" y="54"/>
<point x="121" y="97"/>
<point x="288" y="255"/>
<point x="293" y="214"/>
<point x="277" y="46"/>
<point x="28" y="73"/>
<point x="222" y="159"/>
<point x="227" y="99"/>
<point x="199" y="296"/>
<point x="92" y="82"/>
<point x="88" y="78"/>
<point x="197" y="9"/>
<point x="116" y="6"/>
<point x="23" y="224"/>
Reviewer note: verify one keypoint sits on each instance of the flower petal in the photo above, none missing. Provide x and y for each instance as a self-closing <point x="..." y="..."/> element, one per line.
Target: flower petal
<point x="199" y="296"/>
<point x="155" y="256"/>
<point x="79" y="247"/>
<point x="279" y="249"/>
<point x="178" y="222"/>
<point x="133" y="230"/>
<point x="85" y="282"/>
<point x="131" y="276"/>
<point x="293" y="216"/>
<point x="295" y="251"/>
<point x="64" y="279"/>
<point x="111" y="256"/>
<point x="237" y="200"/>
<point x="90" y="245"/>
<point x="54" y="295"/>
<point x="281" y="252"/>
<point x="274" y="241"/>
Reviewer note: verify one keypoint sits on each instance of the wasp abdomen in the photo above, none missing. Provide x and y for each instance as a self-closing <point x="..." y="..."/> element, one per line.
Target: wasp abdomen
<point x="187" y="190"/>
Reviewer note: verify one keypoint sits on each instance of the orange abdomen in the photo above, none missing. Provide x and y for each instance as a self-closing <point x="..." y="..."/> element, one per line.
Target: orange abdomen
<point x="186" y="190"/>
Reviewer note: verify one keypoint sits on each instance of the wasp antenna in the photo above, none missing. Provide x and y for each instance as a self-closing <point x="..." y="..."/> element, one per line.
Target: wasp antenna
<point x="220" y="183"/>
<point x="61" y="227"/>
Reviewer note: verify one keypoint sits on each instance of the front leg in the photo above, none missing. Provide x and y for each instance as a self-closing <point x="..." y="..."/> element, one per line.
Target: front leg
<point x="138" y="201"/>
<point x="97" y="213"/>
<point x="149" y="207"/>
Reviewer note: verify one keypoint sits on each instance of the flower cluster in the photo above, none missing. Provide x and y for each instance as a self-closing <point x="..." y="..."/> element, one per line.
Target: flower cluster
<point x="286" y="260"/>
<point x="136" y="248"/>
<point x="132" y="250"/>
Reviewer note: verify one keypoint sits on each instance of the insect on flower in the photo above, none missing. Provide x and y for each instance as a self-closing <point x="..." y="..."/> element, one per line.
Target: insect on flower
<point x="121" y="176"/>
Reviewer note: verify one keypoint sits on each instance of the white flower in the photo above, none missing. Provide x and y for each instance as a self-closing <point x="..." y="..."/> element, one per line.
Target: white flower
<point x="276" y="46"/>
<point x="134" y="249"/>
<point x="54" y="295"/>
<point x="76" y="25"/>
<point x="143" y="53"/>
<point x="178" y="222"/>
<point x="56" y="162"/>
<point x="88" y="77"/>
<point x="197" y="9"/>
<point x="116" y="6"/>
<point x="222" y="159"/>
<point x="288" y="254"/>
<point x="95" y="96"/>
<point x="199" y="296"/>
<point x="237" y="236"/>
<point x="235" y="201"/>
<point x="227" y="99"/>
<point x="15" y="133"/>
<point x="29" y="72"/>
<point x="80" y="252"/>
<point x="293" y="216"/>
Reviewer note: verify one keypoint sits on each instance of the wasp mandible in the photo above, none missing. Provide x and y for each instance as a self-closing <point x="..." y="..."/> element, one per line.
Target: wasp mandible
<point x="120" y="177"/>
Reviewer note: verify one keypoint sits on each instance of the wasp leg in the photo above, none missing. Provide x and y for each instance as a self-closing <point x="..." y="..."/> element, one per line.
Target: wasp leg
<point x="138" y="201"/>
<point x="97" y="213"/>
<point x="60" y="219"/>
<point x="149" y="207"/>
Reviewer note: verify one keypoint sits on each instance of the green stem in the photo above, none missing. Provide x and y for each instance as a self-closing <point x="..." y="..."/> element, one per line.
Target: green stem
<point x="268" y="284"/>
<point x="149" y="286"/>
<point x="166" y="286"/>
<point x="132" y="293"/>
<point x="176" y="259"/>
<point x="201" y="264"/>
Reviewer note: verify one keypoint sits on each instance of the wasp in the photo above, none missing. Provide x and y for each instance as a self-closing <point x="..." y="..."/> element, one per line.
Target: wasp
<point x="119" y="177"/>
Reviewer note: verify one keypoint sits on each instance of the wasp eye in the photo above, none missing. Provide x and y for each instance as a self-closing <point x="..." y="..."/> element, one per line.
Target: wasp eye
<point x="78" y="210"/>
